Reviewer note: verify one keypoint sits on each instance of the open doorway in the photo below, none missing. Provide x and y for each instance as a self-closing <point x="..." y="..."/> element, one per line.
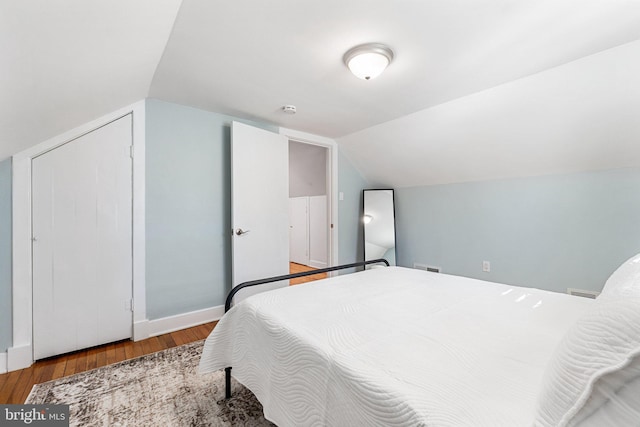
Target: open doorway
<point x="309" y="210"/>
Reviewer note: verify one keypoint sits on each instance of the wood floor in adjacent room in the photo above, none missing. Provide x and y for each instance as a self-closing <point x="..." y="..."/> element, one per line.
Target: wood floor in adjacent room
<point x="16" y="385"/>
<point x="299" y="268"/>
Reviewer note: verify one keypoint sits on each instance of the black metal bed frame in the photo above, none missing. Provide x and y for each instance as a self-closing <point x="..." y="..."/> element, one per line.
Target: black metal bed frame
<point x="235" y="290"/>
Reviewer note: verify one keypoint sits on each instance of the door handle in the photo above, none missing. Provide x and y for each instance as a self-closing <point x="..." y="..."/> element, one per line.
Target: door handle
<point x="240" y="232"/>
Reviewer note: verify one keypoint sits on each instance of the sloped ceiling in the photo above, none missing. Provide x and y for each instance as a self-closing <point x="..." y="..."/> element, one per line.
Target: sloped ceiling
<point x="581" y="116"/>
<point x="66" y="62"/>
<point x="477" y="90"/>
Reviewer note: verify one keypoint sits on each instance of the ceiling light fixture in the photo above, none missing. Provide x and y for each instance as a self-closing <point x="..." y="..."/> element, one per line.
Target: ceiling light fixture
<point x="368" y="61"/>
<point x="367" y="219"/>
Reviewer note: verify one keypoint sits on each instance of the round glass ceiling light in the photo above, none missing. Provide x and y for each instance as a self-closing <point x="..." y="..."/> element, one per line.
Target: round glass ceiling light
<point x="369" y="60"/>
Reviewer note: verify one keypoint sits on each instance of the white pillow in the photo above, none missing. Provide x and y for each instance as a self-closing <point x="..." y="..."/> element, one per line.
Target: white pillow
<point x="624" y="278"/>
<point x="596" y="363"/>
<point x="614" y="401"/>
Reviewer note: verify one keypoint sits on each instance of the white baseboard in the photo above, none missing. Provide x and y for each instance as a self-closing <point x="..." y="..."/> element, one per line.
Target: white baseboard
<point x="317" y="264"/>
<point x="19" y="357"/>
<point x="182" y="321"/>
<point x="140" y="330"/>
<point x="22" y="357"/>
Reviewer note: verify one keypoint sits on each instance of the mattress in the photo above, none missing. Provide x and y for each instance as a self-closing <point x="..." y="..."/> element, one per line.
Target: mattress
<point x="394" y="347"/>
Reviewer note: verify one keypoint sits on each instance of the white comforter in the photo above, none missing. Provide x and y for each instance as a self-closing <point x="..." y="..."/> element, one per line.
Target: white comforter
<point x="393" y="347"/>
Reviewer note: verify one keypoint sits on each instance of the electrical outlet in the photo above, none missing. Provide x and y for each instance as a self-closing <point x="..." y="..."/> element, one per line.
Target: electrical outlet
<point x="486" y="266"/>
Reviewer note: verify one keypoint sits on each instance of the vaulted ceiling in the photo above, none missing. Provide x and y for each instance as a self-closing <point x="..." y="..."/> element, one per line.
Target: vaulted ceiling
<point x="477" y="89"/>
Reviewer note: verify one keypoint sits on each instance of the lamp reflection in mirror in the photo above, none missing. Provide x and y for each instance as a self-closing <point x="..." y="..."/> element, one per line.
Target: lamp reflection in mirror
<point x="379" y="234"/>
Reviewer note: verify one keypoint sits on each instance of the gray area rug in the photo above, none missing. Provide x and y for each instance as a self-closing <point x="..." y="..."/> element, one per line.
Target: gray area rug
<point x="159" y="389"/>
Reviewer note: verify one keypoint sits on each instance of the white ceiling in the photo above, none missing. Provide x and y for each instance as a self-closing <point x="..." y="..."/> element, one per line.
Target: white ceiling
<point x="66" y="62"/>
<point x="581" y="116"/>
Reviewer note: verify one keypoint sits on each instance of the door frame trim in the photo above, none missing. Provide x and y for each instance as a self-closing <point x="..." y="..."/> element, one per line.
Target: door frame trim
<point x="332" y="177"/>
<point x="20" y="354"/>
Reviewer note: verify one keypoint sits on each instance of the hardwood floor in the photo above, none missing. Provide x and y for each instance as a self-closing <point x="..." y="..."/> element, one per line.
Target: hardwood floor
<point x="16" y="385"/>
<point x="298" y="268"/>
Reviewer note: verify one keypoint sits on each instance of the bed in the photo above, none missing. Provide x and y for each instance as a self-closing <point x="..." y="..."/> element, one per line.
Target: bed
<point x="401" y="347"/>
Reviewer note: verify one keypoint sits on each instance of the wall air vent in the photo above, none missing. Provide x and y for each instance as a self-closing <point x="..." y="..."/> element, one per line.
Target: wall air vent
<point x="426" y="267"/>
<point x="583" y="293"/>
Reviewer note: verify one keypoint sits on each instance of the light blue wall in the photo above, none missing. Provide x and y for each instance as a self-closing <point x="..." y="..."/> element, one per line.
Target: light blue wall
<point x="188" y="243"/>
<point x="187" y="213"/>
<point x="351" y="184"/>
<point x="188" y="264"/>
<point x="5" y="255"/>
<point x="551" y="232"/>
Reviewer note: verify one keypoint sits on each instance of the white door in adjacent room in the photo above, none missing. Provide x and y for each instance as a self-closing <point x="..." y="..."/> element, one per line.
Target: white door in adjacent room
<point x="299" y="230"/>
<point x="259" y="206"/>
<point x="82" y="241"/>
<point x="318" y="232"/>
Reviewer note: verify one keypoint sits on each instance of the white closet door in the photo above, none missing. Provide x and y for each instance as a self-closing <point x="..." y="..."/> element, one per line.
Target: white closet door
<point x="82" y="241"/>
<point x="318" y="236"/>
<point x="299" y="230"/>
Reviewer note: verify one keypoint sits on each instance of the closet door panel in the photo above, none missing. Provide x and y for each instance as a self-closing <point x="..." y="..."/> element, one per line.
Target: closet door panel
<point x="82" y="241"/>
<point x="299" y="230"/>
<point x="318" y="226"/>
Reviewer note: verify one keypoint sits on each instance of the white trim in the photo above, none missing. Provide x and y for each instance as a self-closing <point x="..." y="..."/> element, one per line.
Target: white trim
<point x="332" y="197"/>
<point x="139" y="215"/>
<point x="19" y="357"/>
<point x="3" y="363"/>
<point x="183" y="321"/>
<point x="140" y="330"/>
<point x="21" y="208"/>
<point x="317" y="264"/>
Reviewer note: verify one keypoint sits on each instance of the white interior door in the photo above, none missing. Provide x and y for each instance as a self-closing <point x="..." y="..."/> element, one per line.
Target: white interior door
<point x="82" y="242"/>
<point x="299" y="230"/>
<point x="318" y="232"/>
<point x="259" y="205"/>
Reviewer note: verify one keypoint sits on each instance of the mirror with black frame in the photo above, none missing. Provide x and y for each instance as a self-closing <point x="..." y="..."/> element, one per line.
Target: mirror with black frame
<point x="379" y="225"/>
